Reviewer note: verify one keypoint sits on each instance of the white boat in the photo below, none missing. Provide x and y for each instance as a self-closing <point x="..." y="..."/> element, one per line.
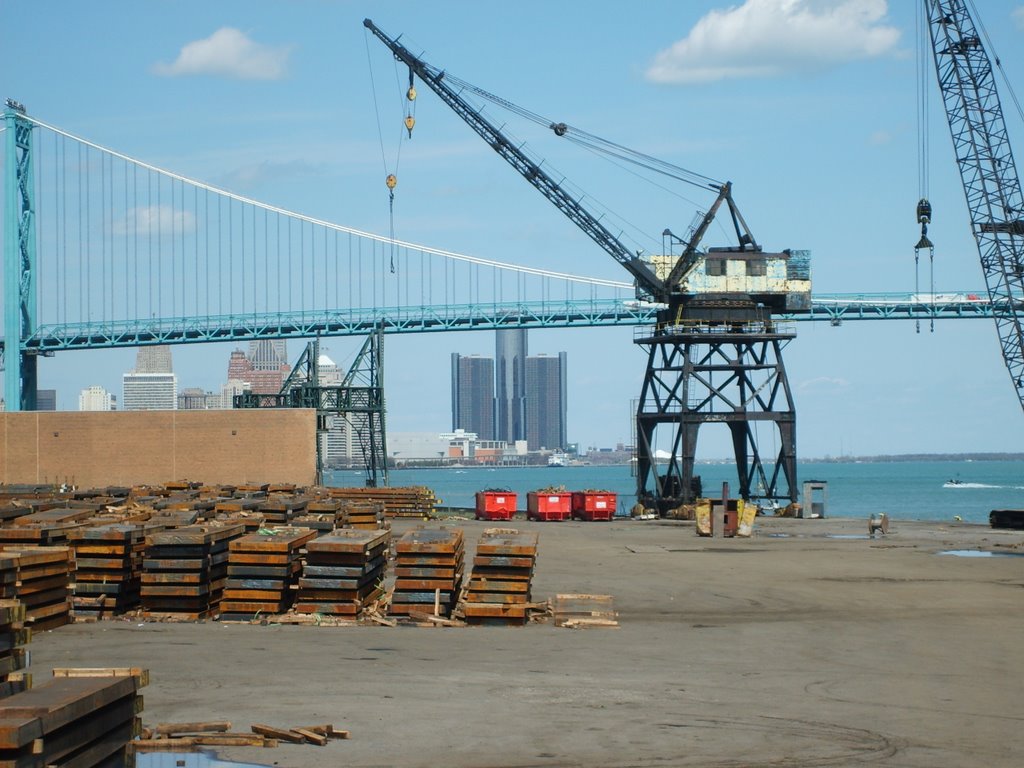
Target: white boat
<point x="556" y="460"/>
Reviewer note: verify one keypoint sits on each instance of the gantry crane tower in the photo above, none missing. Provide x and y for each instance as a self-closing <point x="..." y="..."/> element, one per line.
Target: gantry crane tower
<point x="715" y="352"/>
<point x="987" y="168"/>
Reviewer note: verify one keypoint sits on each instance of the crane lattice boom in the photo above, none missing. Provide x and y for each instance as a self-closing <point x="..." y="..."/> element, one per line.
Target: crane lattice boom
<point x="987" y="169"/>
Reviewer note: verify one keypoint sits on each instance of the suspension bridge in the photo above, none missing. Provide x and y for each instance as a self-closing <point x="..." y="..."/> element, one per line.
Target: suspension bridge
<point x="102" y="250"/>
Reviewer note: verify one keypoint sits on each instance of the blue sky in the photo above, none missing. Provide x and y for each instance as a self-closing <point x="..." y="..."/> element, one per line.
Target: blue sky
<point x="807" y="106"/>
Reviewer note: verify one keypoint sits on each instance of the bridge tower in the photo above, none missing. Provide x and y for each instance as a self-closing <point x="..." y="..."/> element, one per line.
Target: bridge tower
<point x="20" y="379"/>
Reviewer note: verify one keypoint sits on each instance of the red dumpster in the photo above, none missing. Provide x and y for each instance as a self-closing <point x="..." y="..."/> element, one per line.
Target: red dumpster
<point x="495" y="505"/>
<point x="548" y="505"/>
<point x="593" y="505"/>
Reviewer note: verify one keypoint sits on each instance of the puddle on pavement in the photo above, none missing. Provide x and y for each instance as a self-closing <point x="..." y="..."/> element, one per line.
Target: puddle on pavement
<point x="187" y="760"/>
<point x="978" y="553"/>
<point x="777" y="535"/>
<point x="847" y="536"/>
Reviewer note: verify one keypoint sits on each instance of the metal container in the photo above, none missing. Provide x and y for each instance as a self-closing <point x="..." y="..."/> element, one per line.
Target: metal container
<point x="548" y="505"/>
<point x="495" y="505"/>
<point x="593" y="505"/>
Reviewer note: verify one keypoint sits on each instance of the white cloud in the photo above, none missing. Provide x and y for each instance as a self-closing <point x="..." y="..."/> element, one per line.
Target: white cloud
<point x="1018" y="15"/>
<point x="156" y="220"/>
<point x="766" y="38"/>
<point x="228" y="52"/>
<point x="823" y="384"/>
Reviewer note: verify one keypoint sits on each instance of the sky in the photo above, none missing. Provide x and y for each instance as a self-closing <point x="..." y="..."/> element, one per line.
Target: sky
<point x="809" y="107"/>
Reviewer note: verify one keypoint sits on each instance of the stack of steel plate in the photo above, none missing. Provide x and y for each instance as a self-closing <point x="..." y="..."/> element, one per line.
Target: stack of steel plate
<point x="108" y="560"/>
<point x="414" y="501"/>
<point x="71" y="721"/>
<point x="343" y="573"/>
<point x="185" y="569"/>
<point x="321" y="522"/>
<point x="367" y="516"/>
<point x="262" y="567"/>
<point x="44" y="584"/>
<point x="428" y="572"/>
<point x="280" y="509"/>
<point x="499" y="585"/>
<point x="13" y="635"/>
<point x="47" y="528"/>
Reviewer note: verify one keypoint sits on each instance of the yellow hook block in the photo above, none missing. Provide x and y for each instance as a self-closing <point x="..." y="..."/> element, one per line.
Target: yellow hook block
<point x="391" y="181"/>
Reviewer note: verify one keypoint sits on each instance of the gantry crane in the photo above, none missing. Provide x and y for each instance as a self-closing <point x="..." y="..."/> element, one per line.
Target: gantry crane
<point x="987" y="168"/>
<point x="714" y="354"/>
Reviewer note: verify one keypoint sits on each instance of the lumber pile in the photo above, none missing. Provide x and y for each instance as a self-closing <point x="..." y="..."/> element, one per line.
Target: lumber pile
<point x="185" y="570"/>
<point x="262" y="568"/>
<point x="79" y="718"/>
<point x="576" y="611"/>
<point x="499" y="584"/>
<point x="428" y="572"/>
<point x="108" y="579"/>
<point x="43" y="584"/>
<point x="412" y="501"/>
<point x="343" y="573"/>
<point x="13" y="636"/>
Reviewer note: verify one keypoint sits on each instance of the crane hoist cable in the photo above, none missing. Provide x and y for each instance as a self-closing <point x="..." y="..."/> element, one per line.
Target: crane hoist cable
<point x="391" y="172"/>
<point x="924" y="207"/>
<point x="593" y="141"/>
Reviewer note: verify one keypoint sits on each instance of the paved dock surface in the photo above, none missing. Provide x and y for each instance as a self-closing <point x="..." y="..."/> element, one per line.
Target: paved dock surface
<point x="806" y="645"/>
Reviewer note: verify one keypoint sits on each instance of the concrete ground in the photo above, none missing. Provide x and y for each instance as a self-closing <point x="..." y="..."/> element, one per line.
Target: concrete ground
<point x="807" y="645"/>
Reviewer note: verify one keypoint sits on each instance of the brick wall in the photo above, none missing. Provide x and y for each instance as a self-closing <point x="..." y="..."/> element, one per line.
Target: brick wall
<point x="134" y="447"/>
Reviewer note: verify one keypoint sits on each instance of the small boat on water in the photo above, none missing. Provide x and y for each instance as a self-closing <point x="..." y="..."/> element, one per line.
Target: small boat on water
<point x="556" y="460"/>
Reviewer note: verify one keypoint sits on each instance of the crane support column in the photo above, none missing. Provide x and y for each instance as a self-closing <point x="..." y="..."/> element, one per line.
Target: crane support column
<point x="19" y="262"/>
<point x="714" y="368"/>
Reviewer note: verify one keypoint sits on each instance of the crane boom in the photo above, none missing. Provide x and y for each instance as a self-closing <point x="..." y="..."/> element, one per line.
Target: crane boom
<point x="987" y="169"/>
<point x="646" y="279"/>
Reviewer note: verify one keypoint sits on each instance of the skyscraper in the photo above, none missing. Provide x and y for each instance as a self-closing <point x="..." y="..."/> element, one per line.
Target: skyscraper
<point x="473" y="395"/>
<point x="268" y="354"/>
<point x="546" y="402"/>
<point x="152" y="386"/>
<point x="510" y="392"/>
<point x="96" y="398"/>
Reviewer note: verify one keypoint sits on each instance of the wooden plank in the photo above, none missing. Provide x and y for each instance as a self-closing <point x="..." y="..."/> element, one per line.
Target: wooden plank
<point x="283" y="734"/>
<point x="140" y="674"/>
<point x="210" y="726"/>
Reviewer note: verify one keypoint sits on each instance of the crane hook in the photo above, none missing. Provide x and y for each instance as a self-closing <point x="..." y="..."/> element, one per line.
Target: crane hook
<point x="410" y="121"/>
<point x="391" y="181"/>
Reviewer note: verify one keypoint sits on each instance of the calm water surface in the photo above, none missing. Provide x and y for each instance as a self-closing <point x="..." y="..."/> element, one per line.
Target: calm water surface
<point x="905" y="490"/>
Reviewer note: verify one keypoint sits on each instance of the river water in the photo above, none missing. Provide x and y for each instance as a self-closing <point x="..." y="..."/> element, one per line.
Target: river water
<point x="905" y="490"/>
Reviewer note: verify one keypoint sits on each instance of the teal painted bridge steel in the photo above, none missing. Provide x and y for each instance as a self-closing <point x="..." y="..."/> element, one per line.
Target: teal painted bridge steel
<point x="834" y="309"/>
